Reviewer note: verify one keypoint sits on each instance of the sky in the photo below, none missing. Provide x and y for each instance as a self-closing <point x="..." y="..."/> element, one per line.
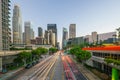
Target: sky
<point x="88" y="15"/>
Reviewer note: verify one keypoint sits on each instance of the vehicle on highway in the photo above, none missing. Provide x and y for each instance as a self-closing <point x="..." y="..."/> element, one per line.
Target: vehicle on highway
<point x="28" y="66"/>
<point x="34" y="63"/>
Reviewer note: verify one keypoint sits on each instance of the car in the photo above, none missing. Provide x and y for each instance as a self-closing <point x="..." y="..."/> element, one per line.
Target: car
<point x="37" y="61"/>
<point x="33" y="63"/>
<point x="28" y="66"/>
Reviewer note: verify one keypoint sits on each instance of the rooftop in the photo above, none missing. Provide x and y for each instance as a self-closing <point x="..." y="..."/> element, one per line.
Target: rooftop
<point x="106" y="48"/>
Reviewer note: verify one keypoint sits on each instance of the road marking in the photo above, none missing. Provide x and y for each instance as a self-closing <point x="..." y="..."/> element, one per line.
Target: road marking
<point x="51" y="77"/>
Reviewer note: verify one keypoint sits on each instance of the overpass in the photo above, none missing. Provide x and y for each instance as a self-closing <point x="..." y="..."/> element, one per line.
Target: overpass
<point x="7" y="57"/>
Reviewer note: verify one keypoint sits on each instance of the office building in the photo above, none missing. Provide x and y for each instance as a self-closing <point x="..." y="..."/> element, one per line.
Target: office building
<point x="65" y="37"/>
<point x="102" y="37"/>
<point x="107" y="37"/>
<point x="88" y="39"/>
<point x="50" y="37"/>
<point x="40" y="32"/>
<point x="32" y="33"/>
<point x="75" y="41"/>
<point x="5" y="31"/>
<point x="53" y="27"/>
<point x="27" y="32"/>
<point x="17" y="25"/>
<point x="72" y="31"/>
<point x="94" y="37"/>
<point x="46" y="36"/>
<point x="99" y="54"/>
<point x="23" y="38"/>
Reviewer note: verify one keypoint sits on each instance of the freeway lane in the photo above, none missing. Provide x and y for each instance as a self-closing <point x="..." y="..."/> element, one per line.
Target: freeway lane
<point x="31" y="73"/>
<point x="57" y="71"/>
<point x="75" y="70"/>
<point x="55" y="67"/>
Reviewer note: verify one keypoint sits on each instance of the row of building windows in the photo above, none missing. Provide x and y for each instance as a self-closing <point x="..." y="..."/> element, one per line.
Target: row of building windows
<point x="104" y="68"/>
<point x="106" y="55"/>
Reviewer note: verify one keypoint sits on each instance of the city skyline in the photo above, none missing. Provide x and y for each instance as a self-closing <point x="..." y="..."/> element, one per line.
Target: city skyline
<point x="101" y="16"/>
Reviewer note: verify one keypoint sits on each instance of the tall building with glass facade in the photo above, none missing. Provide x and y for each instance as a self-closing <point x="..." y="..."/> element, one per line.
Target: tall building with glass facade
<point x="5" y="31"/>
<point x="32" y="34"/>
<point x="53" y="27"/>
<point x="27" y="32"/>
<point x="65" y="37"/>
<point x="17" y="25"/>
<point x="40" y="32"/>
<point x="72" y="31"/>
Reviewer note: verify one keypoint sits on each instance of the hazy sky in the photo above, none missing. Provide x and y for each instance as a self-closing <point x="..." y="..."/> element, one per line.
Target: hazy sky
<point x="88" y="15"/>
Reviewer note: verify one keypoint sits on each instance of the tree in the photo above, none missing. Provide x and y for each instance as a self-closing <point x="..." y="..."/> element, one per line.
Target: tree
<point x="38" y="52"/>
<point x="42" y="50"/>
<point x="35" y="54"/>
<point x="52" y="50"/>
<point x="24" y="56"/>
<point x="80" y="54"/>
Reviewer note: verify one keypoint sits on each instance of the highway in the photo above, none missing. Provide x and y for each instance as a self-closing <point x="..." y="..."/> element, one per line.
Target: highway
<point x="54" y="67"/>
<point x="75" y="70"/>
<point x="37" y="72"/>
<point x="57" y="72"/>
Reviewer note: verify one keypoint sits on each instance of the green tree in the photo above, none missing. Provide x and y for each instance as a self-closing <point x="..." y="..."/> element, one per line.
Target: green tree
<point x="42" y="50"/>
<point x="38" y="52"/>
<point x="80" y="54"/>
<point x="35" y="54"/>
<point x="24" y="56"/>
<point x="52" y="50"/>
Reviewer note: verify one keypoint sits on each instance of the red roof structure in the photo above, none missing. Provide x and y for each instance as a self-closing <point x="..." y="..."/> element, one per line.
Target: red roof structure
<point x="106" y="48"/>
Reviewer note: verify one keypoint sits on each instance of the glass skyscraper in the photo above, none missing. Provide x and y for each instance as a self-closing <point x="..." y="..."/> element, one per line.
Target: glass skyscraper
<point x="17" y="25"/>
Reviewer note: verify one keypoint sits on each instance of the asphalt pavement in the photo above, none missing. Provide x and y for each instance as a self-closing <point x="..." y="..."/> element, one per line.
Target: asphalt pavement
<point x="57" y="72"/>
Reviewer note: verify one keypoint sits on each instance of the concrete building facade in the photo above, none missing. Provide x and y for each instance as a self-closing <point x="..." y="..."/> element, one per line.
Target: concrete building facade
<point x="32" y="33"/>
<point x="72" y="31"/>
<point x="99" y="54"/>
<point x="27" y="32"/>
<point x="94" y="37"/>
<point x="53" y="27"/>
<point x="5" y="31"/>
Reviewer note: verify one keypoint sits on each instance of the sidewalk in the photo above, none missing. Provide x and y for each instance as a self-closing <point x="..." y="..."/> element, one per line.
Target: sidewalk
<point x="86" y="72"/>
<point x="9" y="74"/>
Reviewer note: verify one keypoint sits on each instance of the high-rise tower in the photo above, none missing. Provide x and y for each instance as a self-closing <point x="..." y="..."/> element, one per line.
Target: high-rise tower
<point x="5" y="31"/>
<point x="40" y="32"/>
<point x="65" y="37"/>
<point x="72" y="31"/>
<point x="27" y="32"/>
<point x="53" y="27"/>
<point x="17" y="25"/>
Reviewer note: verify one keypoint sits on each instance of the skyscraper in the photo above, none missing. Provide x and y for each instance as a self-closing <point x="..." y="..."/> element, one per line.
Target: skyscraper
<point x="40" y="32"/>
<point x="53" y="27"/>
<point x="32" y="34"/>
<point x="5" y="31"/>
<point x="27" y="32"/>
<point x="65" y="37"/>
<point x="72" y="31"/>
<point x="23" y="38"/>
<point x="17" y="25"/>
<point x="94" y="37"/>
<point x="49" y="37"/>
